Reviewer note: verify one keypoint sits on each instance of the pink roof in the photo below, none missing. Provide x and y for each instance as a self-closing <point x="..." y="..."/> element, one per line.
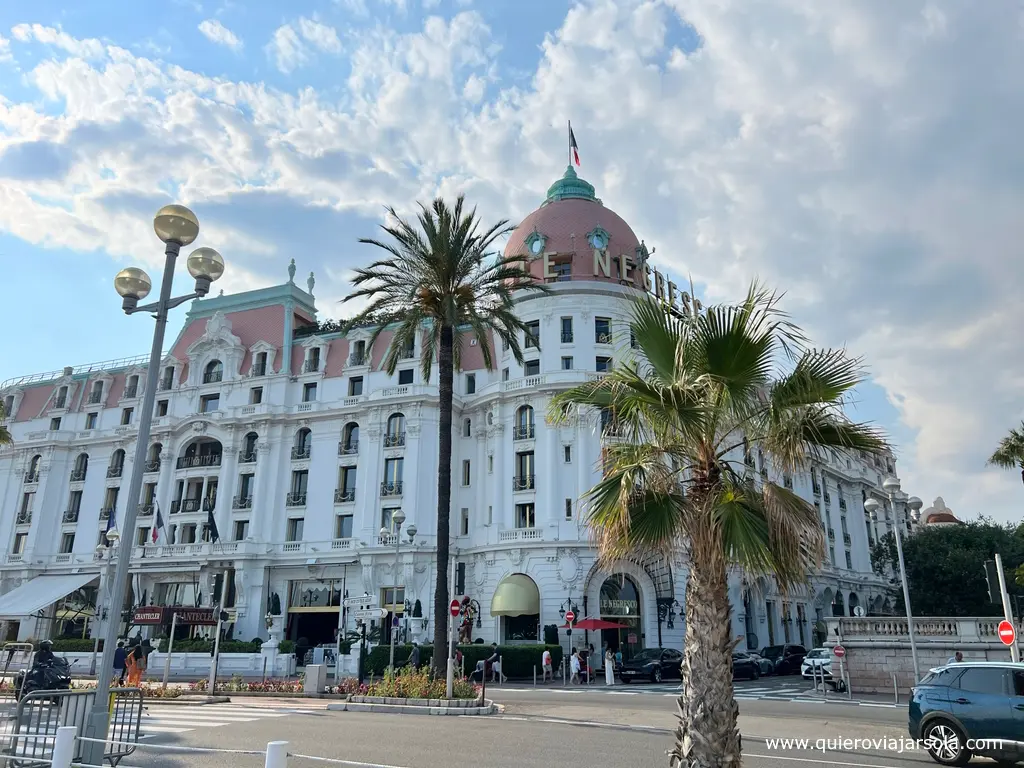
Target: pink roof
<point x="380" y="348"/>
<point x="337" y="356"/>
<point x="250" y="325"/>
<point x="32" y="402"/>
<point x="473" y="354"/>
<point x="298" y="356"/>
<point x="116" y="389"/>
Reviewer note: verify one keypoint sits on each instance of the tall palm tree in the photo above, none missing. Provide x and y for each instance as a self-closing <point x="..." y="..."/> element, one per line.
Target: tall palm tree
<point x="1010" y="453"/>
<point x="442" y="278"/>
<point x="701" y="390"/>
<point x="5" y="435"/>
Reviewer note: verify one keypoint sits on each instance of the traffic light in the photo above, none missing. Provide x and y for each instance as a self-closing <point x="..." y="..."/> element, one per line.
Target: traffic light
<point x="460" y="579"/>
<point x="995" y="594"/>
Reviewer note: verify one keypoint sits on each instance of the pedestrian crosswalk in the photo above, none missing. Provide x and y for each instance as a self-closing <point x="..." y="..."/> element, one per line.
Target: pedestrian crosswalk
<point x="158" y="719"/>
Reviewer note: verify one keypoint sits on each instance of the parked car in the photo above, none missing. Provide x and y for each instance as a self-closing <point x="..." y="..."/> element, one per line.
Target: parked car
<point x="654" y="664"/>
<point x="743" y="666"/>
<point x="817" y="665"/>
<point x="971" y="700"/>
<point x="786" y="658"/>
<point x="764" y="665"/>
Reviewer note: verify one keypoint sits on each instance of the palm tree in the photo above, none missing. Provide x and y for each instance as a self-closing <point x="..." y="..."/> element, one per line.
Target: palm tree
<point x="1010" y="453"/>
<point x="442" y="279"/>
<point x="702" y="389"/>
<point x="5" y="435"/>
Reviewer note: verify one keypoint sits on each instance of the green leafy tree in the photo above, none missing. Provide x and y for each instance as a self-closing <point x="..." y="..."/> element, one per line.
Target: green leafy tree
<point x="946" y="567"/>
<point x="701" y="390"/>
<point x="443" y="281"/>
<point x="1010" y="452"/>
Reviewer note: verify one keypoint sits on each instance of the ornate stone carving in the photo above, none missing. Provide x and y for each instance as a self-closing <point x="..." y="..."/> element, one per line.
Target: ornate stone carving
<point x="515" y="556"/>
<point x="569" y="567"/>
<point x="199" y="426"/>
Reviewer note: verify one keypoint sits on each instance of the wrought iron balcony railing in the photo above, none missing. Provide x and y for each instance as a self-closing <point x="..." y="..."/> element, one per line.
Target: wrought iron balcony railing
<point x="242" y="502"/>
<point x="115" y="471"/>
<point x="394" y="440"/>
<point x="344" y="495"/>
<point x="523" y="483"/>
<point x="151" y="465"/>
<point x="204" y="460"/>
<point x="213" y="377"/>
<point x="391" y="489"/>
<point x="246" y="457"/>
<point x="295" y="500"/>
<point x="301" y="451"/>
<point x="78" y="475"/>
<point x="70" y="516"/>
<point x="523" y="432"/>
<point x="349" y="448"/>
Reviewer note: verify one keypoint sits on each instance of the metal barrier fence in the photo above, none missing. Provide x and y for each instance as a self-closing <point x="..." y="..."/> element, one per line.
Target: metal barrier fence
<point x="30" y="725"/>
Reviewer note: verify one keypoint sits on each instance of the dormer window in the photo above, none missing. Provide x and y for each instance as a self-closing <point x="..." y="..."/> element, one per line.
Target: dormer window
<point x="131" y="388"/>
<point x="312" y="361"/>
<point x="535" y="243"/>
<point x="97" y="393"/>
<point x="259" y="365"/>
<point x="167" y="380"/>
<point x="62" y="398"/>
<point x="8" y="406"/>
<point x="598" y="238"/>
<point x="214" y="372"/>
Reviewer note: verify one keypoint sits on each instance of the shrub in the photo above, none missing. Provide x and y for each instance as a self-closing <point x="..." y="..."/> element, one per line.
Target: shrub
<point x="73" y="644"/>
<point x="286" y="646"/>
<point x="518" y="660"/>
<point x="237" y="685"/>
<point x="410" y="684"/>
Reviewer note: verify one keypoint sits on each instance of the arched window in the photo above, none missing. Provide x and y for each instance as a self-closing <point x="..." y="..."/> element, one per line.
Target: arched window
<point x="396" y="431"/>
<point x="467" y="427"/>
<point x="524" y="428"/>
<point x="81" y="468"/>
<point x="153" y="457"/>
<point x="350" y="438"/>
<point x="97" y="393"/>
<point x="131" y="387"/>
<point x="62" y="398"/>
<point x="303" y="444"/>
<point x="33" y="469"/>
<point x="116" y="464"/>
<point x="8" y="405"/>
<point x="213" y="372"/>
<point x="248" y="452"/>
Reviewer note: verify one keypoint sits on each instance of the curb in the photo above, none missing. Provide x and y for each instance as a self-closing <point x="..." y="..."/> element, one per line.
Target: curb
<point x="187" y="701"/>
<point x="417" y="707"/>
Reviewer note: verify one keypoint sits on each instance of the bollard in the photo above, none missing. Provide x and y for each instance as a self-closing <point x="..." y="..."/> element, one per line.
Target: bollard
<point x="563" y="671"/>
<point x="895" y="689"/>
<point x="64" y="747"/>
<point x="277" y="754"/>
<point x="501" y="669"/>
<point x="534" y="675"/>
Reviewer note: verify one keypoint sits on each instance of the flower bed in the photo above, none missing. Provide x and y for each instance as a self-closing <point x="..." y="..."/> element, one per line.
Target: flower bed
<point x="409" y="684"/>
<point x="237" y="685"/>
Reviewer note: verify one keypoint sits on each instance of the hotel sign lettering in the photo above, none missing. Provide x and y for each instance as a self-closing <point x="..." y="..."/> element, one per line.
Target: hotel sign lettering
<point x="619" y="607"/>
<point x="162" y="615"/>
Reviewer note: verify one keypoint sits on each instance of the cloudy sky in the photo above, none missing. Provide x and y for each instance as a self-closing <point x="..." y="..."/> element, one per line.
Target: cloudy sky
<point x="863" y="156"/>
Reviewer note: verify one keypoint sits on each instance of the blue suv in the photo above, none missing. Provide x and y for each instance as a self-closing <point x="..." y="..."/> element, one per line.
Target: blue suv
<point x="972" y="708"/>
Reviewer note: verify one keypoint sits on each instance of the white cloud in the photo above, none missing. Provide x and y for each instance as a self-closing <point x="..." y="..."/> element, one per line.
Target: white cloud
<point x="217" y="33"/>
<point x="88" y="48"/>
<point x="5" y="49"/>
<point x="290" y="47"/>
<point x="320" y="36"/>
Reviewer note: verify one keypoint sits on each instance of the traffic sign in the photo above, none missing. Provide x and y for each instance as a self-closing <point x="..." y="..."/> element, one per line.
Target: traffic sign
<point x="455" y="608"/>
<point x="839" y="651"/>
<point x="1007" y="633"/>
<point x="369" y="614"/>
<point x="570" y="617"/>
<point x="362" y="600"/>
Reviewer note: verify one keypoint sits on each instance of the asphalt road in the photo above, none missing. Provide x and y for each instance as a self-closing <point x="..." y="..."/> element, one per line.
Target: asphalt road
<point x="537" y="731"/>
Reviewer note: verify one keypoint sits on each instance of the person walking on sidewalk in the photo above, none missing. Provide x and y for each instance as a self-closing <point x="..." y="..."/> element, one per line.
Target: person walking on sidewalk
<point x="575" y="667"/>
<point x="545" y="663"/>
<point x="609" y="667"/>
<point x="120" y="657"/>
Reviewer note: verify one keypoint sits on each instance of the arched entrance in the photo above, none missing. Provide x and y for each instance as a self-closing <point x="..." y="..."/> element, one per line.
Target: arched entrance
<point x="517" y="602"/>
<point x="620" y="603"/>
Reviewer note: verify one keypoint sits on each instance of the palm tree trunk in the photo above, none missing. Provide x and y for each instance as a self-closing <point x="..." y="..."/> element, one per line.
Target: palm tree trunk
<point x="707" y="735"/>
<point x="446" y="375"/>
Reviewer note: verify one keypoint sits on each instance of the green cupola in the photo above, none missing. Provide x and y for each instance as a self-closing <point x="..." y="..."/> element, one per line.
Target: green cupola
<point x="571" y="187"/>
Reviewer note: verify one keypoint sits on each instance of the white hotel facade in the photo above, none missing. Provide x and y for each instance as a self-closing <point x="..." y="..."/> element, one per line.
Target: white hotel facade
<point x="291" y="437"/>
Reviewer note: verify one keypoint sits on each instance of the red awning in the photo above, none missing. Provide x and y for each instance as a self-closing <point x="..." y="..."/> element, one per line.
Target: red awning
<point x="593" y="625"/>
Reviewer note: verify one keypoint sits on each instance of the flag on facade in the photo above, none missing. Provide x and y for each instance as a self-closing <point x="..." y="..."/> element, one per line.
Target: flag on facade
<point x="211" y="524"/>
<point x="574" y="151"/>
<point x="111" y="523"/>
<point x="159" y="524"/>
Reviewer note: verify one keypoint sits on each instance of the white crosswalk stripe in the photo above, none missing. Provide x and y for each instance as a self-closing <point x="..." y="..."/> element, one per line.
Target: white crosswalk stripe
<point x="175" y="718"/>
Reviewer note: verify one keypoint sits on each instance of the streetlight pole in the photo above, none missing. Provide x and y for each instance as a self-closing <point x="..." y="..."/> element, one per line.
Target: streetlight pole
<point x="891" y="486"/>
<point x="396" y="520"/>
<point x="106" y="555"/>
<point x="176" y="226"/>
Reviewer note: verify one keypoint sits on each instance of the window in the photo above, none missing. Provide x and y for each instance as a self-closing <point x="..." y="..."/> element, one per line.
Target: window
<point x="524" y="476"/>
<point x="358" y="356"/>
<point x="343" y="527"/>
<point x="566" y="363"/>
<point x="531" y="337"/>
<point x="531" y="368"/>
<point x="303" y="444"/>
<point x="168" y="380"/>
<point x="142" y="536"/>
<point x="524" y="426"/>
<point x="300" y="482"/>
<point x="8" y="405"/>
<point x="74" y="505"/>
<point x="309" y="392"/>
<point x="18" y="547"/>
<point x="55" y="423"/>
<point x="148" y="494"/>
<point x="466" y="476"/>
<point x="67" y="543"/>
<point x="387" y="518"/>
<point x="355" y="386"/>
<point x="525" y="517"/>
<point x="405" y="376"/>
<point x="213" y="373"/>
<point x="395" y="435"/>
<point x="188" y="534"/>
<point x="562" y="271"/>
<point x="161" y="408"/>
<point x="467" y="427"/>
<point x="62" y="398"/>
<point x="241" y="531"/>
<point x="246" y="483"/>
<point x="90" y="420"/>
<point x="983" y="680"/>
<point x="602" y="330"/>
<point x="568" y="509"/>
<point x="259" y="366"/>
<point x="347" y="483"/>
<point x="490" y="462"/>
<point x="350" y="438"/>
<point x="249" y="446"/>
<point x="126" y="416"/>
<point x="504" y="375"/>
<point x="470" y="383"/>
<point x="490" y="515"/>
<point x="567" y="330"/>
<point x="255" y="395"/>
<point x="567" y="454"/>
<point x="209" y="403"/>
<point x="464" y="522"/>
<point x="295" y="528"/>
<point x="849" y="560"/>
<point x="603" y="364"/>
<point x="312" y="361"/>
<point x="632" y="339"/>
<point x="392" y="485"/>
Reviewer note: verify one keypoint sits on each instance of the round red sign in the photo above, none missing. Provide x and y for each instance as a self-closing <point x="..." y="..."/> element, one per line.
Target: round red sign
<point x="570" y="617"/>
<point x="454" y="607"/>
<point x="839" y="651"/>
<point x="1007" y="633"/>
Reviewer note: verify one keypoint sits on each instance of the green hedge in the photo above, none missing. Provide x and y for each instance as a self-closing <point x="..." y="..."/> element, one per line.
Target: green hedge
<point x="517" y="660"/>
<point x="74" y="644"/>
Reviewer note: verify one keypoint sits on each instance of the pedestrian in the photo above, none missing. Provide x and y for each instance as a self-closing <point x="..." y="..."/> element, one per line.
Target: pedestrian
<point x="609" y="668"/>
<point x="136" y="663"/>
<point x="414" y="657"/>
<point x="956" y="658"/>
<point x="575" y="667"/>
<point x="120" y="656"/>
<point x="545" y="663"/>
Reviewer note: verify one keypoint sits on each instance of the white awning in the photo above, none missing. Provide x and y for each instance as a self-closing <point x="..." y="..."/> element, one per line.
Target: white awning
<point x="40" y="592"/>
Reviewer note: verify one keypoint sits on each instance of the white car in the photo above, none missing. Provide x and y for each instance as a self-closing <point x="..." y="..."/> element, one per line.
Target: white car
<point x="817" y="665"/>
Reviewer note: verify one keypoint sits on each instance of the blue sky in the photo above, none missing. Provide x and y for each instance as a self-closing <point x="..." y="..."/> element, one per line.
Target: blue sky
<point x="861" y="157"/>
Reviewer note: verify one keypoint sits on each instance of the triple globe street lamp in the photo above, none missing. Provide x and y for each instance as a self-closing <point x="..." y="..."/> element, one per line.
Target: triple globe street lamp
<point x="176" y="226"/>
<point x="397" y="520"/>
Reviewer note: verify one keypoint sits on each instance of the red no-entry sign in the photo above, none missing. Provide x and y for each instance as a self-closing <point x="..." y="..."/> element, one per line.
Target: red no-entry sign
<point x="454" y="608"/>
<point x="1007" y="632"/>
<point x="839" y="651"/>
<point x="570" y="617"/>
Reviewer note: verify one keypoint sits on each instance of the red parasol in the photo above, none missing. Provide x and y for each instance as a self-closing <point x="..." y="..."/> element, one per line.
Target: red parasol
<point x="593" y="625"/>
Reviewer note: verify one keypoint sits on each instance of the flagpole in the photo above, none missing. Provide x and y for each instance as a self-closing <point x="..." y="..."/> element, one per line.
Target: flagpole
<point x="570" y="142"/>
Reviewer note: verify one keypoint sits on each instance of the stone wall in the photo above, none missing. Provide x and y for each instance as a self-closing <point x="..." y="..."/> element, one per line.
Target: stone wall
<point x="878" y="655"/>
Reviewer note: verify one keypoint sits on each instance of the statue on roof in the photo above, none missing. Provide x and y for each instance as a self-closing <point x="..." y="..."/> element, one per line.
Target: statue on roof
<point x="310" y="283"/>
<point x="291" y="271"/>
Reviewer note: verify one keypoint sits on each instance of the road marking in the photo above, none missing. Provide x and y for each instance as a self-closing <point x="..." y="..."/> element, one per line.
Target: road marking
<point x="773" y="756"/>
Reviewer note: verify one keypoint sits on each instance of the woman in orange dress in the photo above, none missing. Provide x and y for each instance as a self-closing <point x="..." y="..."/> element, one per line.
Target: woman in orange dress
<point x="134" y="665"/>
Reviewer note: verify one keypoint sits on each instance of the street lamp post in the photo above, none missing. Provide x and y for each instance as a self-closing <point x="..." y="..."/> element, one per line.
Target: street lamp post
<point x="106" y="556"/>
<point x="176" y="226"/>
<point x="396" y="519"/>
<point x="892" y="486"/>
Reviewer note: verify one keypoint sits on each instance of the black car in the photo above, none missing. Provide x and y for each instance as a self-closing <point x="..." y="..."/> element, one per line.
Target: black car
<point x="786" y="658"/>
<point x="745" y="667"/>
<point x="654" y="664"/>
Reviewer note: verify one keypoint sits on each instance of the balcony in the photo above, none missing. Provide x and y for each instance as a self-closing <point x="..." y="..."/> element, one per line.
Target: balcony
<point x="356" y="359"/>
<point x="246" y="457"/>
<point x="60" y="404"/>
<point x="242" y="502"/>
<point x="344" y="495"/>
<point x="349" y="448"/>
<point x="391" y="489"/>
<point x="130" y="393"/>
<point x="33" y="477"/>
<point x="95" y="398"/>
<point x="603" y="338"/>
<point x="847" y="540"/>
<point x="70" y="516"/>
<point x="153" y="465"/>
<point x="258" y="369"/>
<point x="147" y="509"/>
<point x="204" y="460"/>
<point x="314" y="547"/>
<point x="191" y="505"/>
<point x="295" y="500"/>
<point x="567" y="337"/>
<point x="387" y="540"/>
<point x="213" y="377"/>
<point x="115" y="471"/>
<point x="831" y="535"/>
<point x="407" y="354"/>
<point x="78" y="475"/>
<point x="311" y="366"/>
<point x="828" y="498"/>
<point x="842" y="503"/>
<point x="301" y="452"/>
<point x="165" y="385"/>
<point x="816" y="488"/>
<point x="395" y="440"/>
<point x="24" y="517"/>
<point x="209" y="503"/>
<point x="521" y="534"/>
<point x="523" y="432"/>
<point x="106" y="513"/>
<point x="523" y="483"/>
